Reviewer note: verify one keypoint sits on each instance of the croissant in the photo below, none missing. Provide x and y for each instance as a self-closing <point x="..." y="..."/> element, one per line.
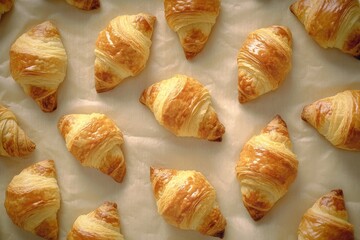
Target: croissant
<point x="33" y="199"/>
<point x="85" y="4"/>
<point x="5" y="6"/>
<point x="337" y="118"/>
<point x="192" y="20"/>
<point x="101" y="224"/>
<point x="332" y="24"/>
<point x="122" y="49"/>
<point x="38" y="63"/>
<point x="327" y="219"/>
<point x="187" y="200"/>
<point x="183" y="106"/>
<point x="95" y="141"/>
<point x="13" y="140"/>
<point x="264" y="60"/>
<point x="266" y="168"/>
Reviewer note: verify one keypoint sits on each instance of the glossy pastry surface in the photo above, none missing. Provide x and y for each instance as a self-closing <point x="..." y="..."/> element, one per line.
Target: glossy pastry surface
<point x="183" y="106"/>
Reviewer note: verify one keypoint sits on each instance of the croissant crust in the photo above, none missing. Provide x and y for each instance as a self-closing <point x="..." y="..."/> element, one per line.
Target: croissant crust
<point x="327" y="219"/>
<point x="183" y="106"/>
<point x="5" y="6"/>
<point x="332" y="24"/>
<point x="266" y="168"/>
<point x="187" y="200"/>
<point x="33" y="199"/>
<point x="101" y="224"/>
<point x="337" y="118"/>
<point x="13" y="140"/>
<point x="85" y="4"/>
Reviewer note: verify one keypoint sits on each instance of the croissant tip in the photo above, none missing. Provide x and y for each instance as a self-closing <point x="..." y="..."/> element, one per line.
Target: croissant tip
<point x="338" y="192"/>
<point x="219" y="234"/>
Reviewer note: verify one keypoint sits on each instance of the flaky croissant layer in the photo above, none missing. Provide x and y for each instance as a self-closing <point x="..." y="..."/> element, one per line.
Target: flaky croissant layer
<point x="332" y="24"/>
<point x="38" y="63"/>
<point x="95" y="141"/>
<point x="337" y="118"/>
<point x="85" y="4"/>
<point x="101" y="224"/>
<point x="13" y="140"/>
<point x="327" y="219"/>
<point x="266" y="168"/>
<point x="183" y="106"/>
<point x="264" y="61"/>
<point x="33" y="199"/>
<point x="187" y="200"/>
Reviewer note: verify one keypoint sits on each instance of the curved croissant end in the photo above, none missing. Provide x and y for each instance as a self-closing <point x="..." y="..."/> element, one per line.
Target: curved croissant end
<point x="122" y="49"/>
<point x="101" y="224"/>
<point x="13" y="140"/>
<point x="332" y="24"/>
<point x="266" y="168"/>
<point x="327" y="219"/>
<point x="264" y="61"/>
<point x="33" y="199"/>
<point x="5" y="6"/>
<point x="337" y="118"/>
<point x="38" y="63"/>
<point x="192" y="21"/>
<point x="85" y="4"/>
<point x="95" y="141"/>
<point x="187" y="200"/>
<point x="183" y="106"/>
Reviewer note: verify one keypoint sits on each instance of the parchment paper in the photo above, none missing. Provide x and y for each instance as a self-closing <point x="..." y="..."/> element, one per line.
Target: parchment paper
<point x="316" y="73"/>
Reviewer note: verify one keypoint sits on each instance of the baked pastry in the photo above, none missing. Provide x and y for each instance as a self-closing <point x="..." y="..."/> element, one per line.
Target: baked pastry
<point x="327" y="219"/>
<point x="332" y="24"/>
<point x="187" y="200"/>
<point x="183" y="106"/>
<point x="38" y="63"/>
<point x="192" y="20"/>
<point x="13" y="140"/>
<point x="32" y="200"/>
<point x="266" y="168"/>
<point x="264" y="61"/>
<point x="5" y="6"/>
<point x="337" y="118"/>
<point x="95" y="141"/>
<point x="101" y="224"/>
<point x="122" y="49"/>
<point x="85" y="4"/>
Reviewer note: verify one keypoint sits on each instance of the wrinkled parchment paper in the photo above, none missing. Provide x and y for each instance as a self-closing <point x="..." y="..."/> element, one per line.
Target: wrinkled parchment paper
<point x="316" y="73"/>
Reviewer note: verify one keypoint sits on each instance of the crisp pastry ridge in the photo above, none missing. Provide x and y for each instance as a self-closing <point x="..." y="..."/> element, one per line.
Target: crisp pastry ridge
<point x="38" y="63"/>
<point x="85" y="4"/>
<point x="95" y="141"/>
<point x="193" y="21"/>
<point x="122" y="49"/>
<point x="327" y="219"/>
<point x="264" y="61"/>
<point x="13" y="140"/>
<point x="32" y="200"/>
<point x="266" y="168"/>
<point x="183" y="106"/>
<point x="185" y="199"/>
<point x="337" y="118"/>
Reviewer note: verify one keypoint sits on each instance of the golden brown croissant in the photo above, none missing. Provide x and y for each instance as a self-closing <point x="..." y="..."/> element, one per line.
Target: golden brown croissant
<point x="101" y="224"/>
<point x="5" y="6"/>
<point x="327" y="219"/>
<point x="122" y="49"/>
<point x="85" y="4"/>
<point x="192" y="20"/>
<point x="187" y="200"/>
<point x="337" y="118"/>
<point x="38" y="63"/>
<point x="183" y="106"/>
<point x="95" y="141"/>
<point x="266" y="168"/>
<point x="332" y="24"/>
<point x="13" y="140"/>
<point x="33" y="199"/>
<point x="264" y="60"/>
